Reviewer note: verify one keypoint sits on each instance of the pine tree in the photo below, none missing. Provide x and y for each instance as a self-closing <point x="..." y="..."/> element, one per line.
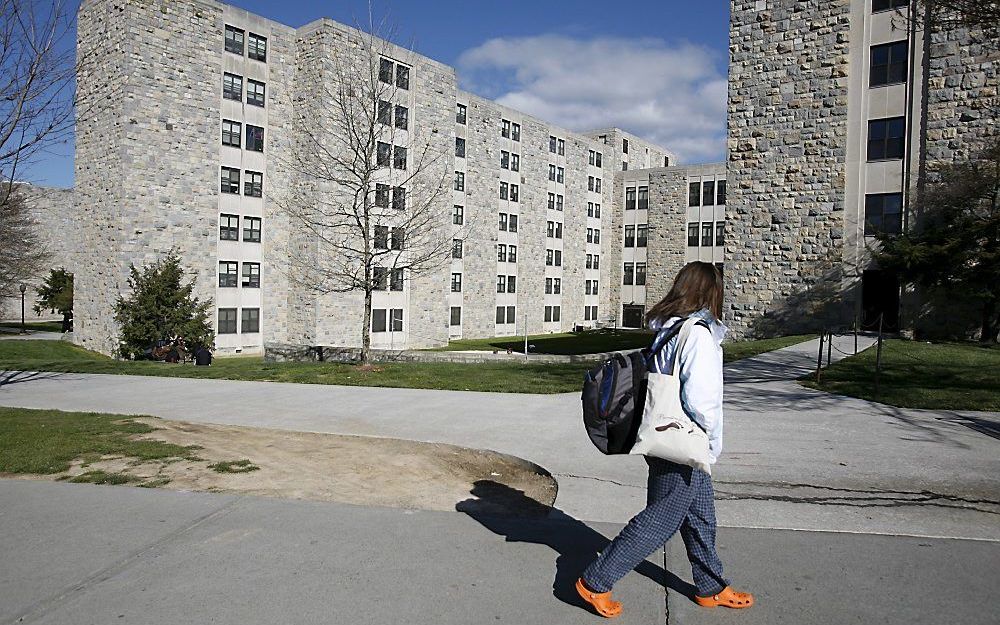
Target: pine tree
<point x="56" y="294"/>
<point x="954" y="244"/>
<point x="161" y="307"/>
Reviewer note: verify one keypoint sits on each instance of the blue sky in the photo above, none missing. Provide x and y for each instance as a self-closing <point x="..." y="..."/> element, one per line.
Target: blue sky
<point x="654" y="68"/>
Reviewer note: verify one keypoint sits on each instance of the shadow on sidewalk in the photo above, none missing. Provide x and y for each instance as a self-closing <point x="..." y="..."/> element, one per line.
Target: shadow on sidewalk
<point x="17" y="377"/>
<point x="510" y="513"/>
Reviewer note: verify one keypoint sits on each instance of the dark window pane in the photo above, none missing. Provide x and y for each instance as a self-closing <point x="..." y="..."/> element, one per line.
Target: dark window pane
<point x="694" y="194"/>
<point x="385" y="71"/>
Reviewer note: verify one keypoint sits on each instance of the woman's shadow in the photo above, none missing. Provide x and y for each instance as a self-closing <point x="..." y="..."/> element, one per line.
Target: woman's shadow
<point x="510" y="513"/>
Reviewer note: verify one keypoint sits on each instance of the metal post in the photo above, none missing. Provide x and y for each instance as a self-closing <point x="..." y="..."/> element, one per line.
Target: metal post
<point x="24" y="287"/>
<point x="819" y="359"/>
<point x="878" y="356"/>
<point x="526" y="334"/>
<point x="829" y="348"/>
<point x="855" y="335"/>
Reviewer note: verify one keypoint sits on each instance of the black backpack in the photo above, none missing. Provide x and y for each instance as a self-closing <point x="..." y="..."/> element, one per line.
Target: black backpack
<point x="614" y="395"/>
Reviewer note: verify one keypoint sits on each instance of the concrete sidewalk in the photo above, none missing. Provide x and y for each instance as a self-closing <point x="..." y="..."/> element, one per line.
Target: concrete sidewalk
<point x="794" y="458"/>
<point x="76" y="554"/>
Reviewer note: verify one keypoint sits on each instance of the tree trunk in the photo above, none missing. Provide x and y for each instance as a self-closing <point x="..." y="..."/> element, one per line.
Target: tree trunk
<point x="988" y="331"/>
<point x="366" y="336"/>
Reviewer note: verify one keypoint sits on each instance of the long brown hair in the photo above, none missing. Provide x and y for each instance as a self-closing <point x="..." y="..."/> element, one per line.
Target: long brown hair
<point x="698" y="285"/>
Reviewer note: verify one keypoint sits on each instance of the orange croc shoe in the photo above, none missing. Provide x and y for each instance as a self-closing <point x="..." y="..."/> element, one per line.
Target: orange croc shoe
<point x="602" y="602"/>
<point x="728" y="598"/>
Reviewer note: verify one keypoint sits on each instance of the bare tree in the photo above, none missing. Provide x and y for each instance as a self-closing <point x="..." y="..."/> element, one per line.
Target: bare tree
<point x="370" y="183"/>
<point x="22" y="255"/>
<point x="951" y="14"/>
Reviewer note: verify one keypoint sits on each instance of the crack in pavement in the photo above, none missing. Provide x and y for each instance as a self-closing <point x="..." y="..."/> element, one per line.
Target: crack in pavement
<point x="68" y="593"/>
<point x="598" y="479"/>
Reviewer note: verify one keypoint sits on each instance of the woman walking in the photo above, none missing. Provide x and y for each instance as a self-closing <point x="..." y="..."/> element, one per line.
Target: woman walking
<point x="679" y="497"/>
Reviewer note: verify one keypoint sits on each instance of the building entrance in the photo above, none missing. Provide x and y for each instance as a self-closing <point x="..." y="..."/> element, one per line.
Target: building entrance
<point x="879" y="297"/>
<point x="632" y="316"/>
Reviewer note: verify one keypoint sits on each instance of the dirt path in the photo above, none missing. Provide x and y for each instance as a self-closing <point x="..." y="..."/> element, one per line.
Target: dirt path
<point x="328" y="467"/>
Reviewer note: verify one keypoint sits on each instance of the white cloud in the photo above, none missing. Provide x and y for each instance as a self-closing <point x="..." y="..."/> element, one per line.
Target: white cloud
<point x="674" y="96"/>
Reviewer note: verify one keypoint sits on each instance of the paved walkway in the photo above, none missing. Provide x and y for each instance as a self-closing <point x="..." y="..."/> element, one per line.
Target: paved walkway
<point x="794" y="458"/>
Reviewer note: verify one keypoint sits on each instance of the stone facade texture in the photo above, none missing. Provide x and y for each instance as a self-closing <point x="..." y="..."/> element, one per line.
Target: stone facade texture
<point x="788" y="123"/>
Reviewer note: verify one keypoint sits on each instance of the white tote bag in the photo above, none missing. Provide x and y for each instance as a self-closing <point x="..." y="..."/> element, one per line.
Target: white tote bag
<point x="666" y="431"/>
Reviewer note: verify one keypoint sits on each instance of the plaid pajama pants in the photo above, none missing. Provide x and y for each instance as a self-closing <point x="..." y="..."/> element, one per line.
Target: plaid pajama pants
<point x="678" y="497"/>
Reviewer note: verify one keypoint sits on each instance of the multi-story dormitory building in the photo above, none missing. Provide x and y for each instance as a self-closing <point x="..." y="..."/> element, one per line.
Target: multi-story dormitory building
<point x="206" y="107"/>
<point x="837" y="112"/>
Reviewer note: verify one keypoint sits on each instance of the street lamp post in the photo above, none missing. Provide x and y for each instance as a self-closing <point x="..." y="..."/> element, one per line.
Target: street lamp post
<point x="24" y="287"/>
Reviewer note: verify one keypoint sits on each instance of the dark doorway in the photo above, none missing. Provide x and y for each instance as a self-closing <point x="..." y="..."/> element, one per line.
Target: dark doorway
<point x="880" y="298"/>
<point x="632" y="316"/>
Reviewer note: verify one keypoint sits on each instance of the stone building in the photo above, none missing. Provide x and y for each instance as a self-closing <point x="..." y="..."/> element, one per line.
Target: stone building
<point x="212" y="114"/>
<point x="836" y="110"/>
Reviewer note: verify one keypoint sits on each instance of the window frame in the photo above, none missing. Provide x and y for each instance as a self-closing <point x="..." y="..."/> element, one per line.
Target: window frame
<point x="254" y="227"/>
<point x="250" y="275"/>
<point x="253" y="91"/>
<point x="226" y="183"/>
<point x="223" y="325"/>
<point x="232" y="86"/>
<point x="230" y="278"/>
<point x="256" y="54"/>
<point x="229" y="231"/>
<point x="253" y="183"/>
<point x="226" y="39"/>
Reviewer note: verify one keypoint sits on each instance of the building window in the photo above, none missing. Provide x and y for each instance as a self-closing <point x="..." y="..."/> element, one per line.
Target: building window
<point x="378" y="320"/>
<point x="396" y="238"/>
<point x="552" y="144"/>
<point x="666" y="161"/>
<point x="558" y="258"/>
<point x="628" y="274"/>
<point x="624" y="165"/>
<point x="512" y="224"/>
<point x="590" y="235"/>
<point x="720" y="232"/>
<point x="560" y="174"/>
<point x="625" y="146"/>
<point x="227" y="321"/>
<point x="597" y="185"/>
<point x="257" y="47"/>
<point x="548" y="286"/>
<point x="883" y="213"/>
<point x="383" y="154"/>
<point x="590" y="261"/>
<point x="384" y="112"/>
<point x="458" y="215"/>
<point x="562" y="147"/>
<point x="629" y="236"/>
<point x="228" y="270"/>
<point x="456" y="283"/>
<point x="385" y="67"/>
<point x="382" y="192"/>
<point x="557" y="285"/>
<point x="588" y="287"/>
<point x="515" y="132"/>
<point x="251" y="229"/>
<point x="708" y="192"/>
<point x="229" y="227"/>
<point x="630" y="198"/>
<point x="501" y="253"/>
<point x="560" y="202"/>
<point x="597" y="210"/>
<point x="591" y="157"/>
<point x="640" y="274"/>
<point x="694" y="194"/>
<point x="399" y="157"/>
<point x="234" y="44"/>
<point x="255" y="93"/>
<point x="552" y="172"/>
<point x="706" y="234"/>
<point x="399" y="198"/>
<point x="641" y="235"/>
<point x="590" y="183"/>
<point x="887" y="5"/>
<point x="231" y="132"/>
<point x="381" y="238"/>
<point x="396" y="280"/>
<point x="504" y="159"/>
<point x="380" y="278"/>
<point x="459" y="181"/>
<point x="515" y="162"/>
<point x="595" y="287"/>
<point x="250" y="322"/>
<point x="502" y="222"/>
<point x="598" y="159"/>
<point x="255" y="138"/>
<point x="643" y="198"/>
<point x="597" y="261"/>
<point x="513" y="192"/>
<point x="230" y="180"/>
<point x="456" y="315"/>
<point x="886" y="138"/>
<point x="597" y="235"/>
<point x="512" y="254"/>
<point x="888" y="64"/>
<point x="403" y="77"/>
<point x="505" y="128"/>
<point x="548" y="313"/>
<point x="253" y="185"/>
<point x="461" y="115"/>
<point x="501" y="284"/>
<point x="504" y="191"/>
<point x="720" y="192"/>
<point x="460" y="147"/>
<point x="552" y="201"/>
<point x="456" y="248"/>
<point x="402" y="117"/>
<point x="251" y="275"/>
<point x="693" y="235"/>
<point x="549" y="257"/>
<point x="232" y="87"/>
<point x="550" y="229"/>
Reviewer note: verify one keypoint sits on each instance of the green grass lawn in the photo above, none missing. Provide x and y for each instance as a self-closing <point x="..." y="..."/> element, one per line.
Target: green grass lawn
<point x="47" y="441"/>
<point x="956" y="376"/>
<point x="37" y="326"/>
<point x="493" y="377"/>
<point x="590" y="342"/>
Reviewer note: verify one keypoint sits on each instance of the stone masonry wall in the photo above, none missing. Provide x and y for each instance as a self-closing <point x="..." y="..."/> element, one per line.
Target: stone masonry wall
<point x="667" y="230"/>
<point x="787" y="148"/>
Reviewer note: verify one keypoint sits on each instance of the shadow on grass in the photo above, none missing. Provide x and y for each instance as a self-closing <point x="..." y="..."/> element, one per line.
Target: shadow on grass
<point x="510" y="513"/>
